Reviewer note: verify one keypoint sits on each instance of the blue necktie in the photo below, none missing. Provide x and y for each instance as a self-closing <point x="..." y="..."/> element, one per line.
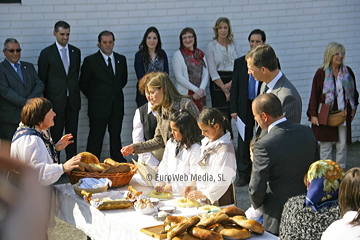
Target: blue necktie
<point x="251" y="88"/>
<point x="18" y="70"/>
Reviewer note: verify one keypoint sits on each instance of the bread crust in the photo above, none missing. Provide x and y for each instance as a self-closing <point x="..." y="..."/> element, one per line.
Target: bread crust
<point x="182" y="227"/>
<point x="250" y="224"/>
<point x="231" y="211"/>
<point x="87" y="167"/>
<point x="117" y="169"/>
<point x="203" y="233"/>
<point x="87" y="157"/>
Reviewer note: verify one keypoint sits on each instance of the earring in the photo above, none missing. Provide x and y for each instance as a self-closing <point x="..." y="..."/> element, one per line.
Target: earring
<point x="40" y="124"/>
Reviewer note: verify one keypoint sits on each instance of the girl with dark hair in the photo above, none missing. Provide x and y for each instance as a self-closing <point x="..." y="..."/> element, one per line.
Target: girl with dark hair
<point x="150" y="58"/>
<point x="181" y="152"/>
<point x="216" y="169"/>
<point x="348" y="227"/>
<point x="190" y="68"/>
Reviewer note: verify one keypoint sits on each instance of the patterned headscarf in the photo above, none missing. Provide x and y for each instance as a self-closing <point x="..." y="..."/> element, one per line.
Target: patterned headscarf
<point x="324" y="177"/>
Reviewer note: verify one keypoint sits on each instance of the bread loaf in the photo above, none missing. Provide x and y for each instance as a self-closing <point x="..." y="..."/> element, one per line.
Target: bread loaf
<point x="87" y="167"/>
<point x="235" y="232"/>
<point x="121" y="168"/>
<point x="87" y="157"/>
<point x="80" y="168"/>
<point x="185" y="236"/>
<point x="110" y="162"/>
<point x="231" y="211"/>
<point x="182" y="227"/>
<point x="203" y="233"/>
<point x="97" y="167"/>
<point x="250" y="224"/>
<point x="212" y="220"/>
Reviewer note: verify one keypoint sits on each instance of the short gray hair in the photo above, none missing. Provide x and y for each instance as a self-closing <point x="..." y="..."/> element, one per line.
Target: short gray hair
<point x="10" y="40"/>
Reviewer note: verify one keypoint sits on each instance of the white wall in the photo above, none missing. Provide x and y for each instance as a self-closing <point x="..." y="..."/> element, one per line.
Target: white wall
<point x="299" y="31"/>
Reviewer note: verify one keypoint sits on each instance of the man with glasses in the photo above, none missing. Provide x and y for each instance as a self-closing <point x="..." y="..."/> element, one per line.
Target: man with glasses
<point x="18" y="82"/>
<point x="59" y="68"/>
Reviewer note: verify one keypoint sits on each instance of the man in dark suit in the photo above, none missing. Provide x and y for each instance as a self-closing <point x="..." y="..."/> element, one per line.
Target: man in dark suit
<point x="262" y="64"/>
<point x="281" y="159"/>
<point x="102" y="79"/>
<point x="18" y="82"/>
<point x="59" y="66"/>
<point x="243" y="90"/>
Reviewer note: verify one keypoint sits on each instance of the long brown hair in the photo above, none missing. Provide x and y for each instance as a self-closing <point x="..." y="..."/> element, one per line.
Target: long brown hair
<point x="349" y="194"/>
<point x="162" y="81"/>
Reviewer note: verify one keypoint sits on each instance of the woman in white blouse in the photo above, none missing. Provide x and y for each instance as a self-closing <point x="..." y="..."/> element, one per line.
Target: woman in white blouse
<point x="33" y="145"/>
<point x="190" y="68"/>
<point x="221" y="54"/>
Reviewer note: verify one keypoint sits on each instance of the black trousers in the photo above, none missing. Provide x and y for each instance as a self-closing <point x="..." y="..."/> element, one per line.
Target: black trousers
<point x="67" y="119"/>
<point x="97" y="133"/>
<point x="7" y="130"/>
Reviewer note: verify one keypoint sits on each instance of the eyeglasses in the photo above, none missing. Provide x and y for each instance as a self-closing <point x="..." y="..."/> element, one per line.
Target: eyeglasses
<point x="338" y="54"/>
<point x="13" y="50"/>
<point x="188" y="37"/>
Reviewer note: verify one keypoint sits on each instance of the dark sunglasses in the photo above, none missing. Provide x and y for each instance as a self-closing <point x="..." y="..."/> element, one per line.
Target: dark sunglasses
<point x="13" y="50"/>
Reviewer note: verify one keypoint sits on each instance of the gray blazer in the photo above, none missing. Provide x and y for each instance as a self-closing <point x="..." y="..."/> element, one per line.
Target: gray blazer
<point x="281" y="160"/>
<point x="14" y="92"/>
<point x="290" y="100"/>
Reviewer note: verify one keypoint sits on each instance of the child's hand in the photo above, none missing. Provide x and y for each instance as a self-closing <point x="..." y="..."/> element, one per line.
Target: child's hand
<point x="167" y="187"/>
<point x="195" y="194"/>
<point x="159" y="187"/>
<point x="186" y="190"/>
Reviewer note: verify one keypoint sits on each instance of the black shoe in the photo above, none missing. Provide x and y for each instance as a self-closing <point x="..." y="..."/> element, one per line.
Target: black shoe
<point x="241" y="182"/>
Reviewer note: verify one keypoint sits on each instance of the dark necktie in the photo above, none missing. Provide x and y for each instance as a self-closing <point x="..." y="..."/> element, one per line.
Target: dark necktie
<point x="110" y="66"/>
<point x="251" y="89"/>
<point x="266" y="88"/>
<point x="18" y="70"/>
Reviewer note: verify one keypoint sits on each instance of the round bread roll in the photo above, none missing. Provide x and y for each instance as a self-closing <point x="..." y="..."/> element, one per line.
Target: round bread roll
<point x="250" y="224"/>
<point x="87" y="157"/>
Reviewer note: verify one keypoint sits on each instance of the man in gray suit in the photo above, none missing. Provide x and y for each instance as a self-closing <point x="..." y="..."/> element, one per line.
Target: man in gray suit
<point x="18" y="82"/>
<point x="262" y="64"/>
<point x="281" y="160"/>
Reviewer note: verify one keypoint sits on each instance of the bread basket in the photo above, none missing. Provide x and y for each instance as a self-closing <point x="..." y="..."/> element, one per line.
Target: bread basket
<point x="118" y="179"/>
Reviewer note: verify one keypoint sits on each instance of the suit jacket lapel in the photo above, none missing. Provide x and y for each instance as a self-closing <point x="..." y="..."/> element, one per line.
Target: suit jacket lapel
<point x="56" y="54"/>
<point x="13" y="72"/>
<point x="101" y="61"/>
<point x="71" y="56"/>
<point x="278" y="85"/>
<point x="117" y="65"/>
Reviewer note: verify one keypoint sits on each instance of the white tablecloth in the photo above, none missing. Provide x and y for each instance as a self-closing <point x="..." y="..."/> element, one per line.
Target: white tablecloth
<point x="113" y="224"/>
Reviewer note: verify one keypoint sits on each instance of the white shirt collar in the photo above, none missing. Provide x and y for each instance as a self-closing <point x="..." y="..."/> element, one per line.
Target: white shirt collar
<point x="271" y="84"/>
<point x="276" y="123"/>
<point x="106" y="57"/>
<point x="150" y="109"/>
<point x="13" y="64"/>
<point x="61" y="47"/>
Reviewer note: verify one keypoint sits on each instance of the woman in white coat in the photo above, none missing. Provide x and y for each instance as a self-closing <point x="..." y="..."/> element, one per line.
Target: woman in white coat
<point x="190" y="68"/>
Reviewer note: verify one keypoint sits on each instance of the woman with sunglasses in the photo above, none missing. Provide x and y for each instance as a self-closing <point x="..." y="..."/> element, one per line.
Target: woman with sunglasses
<point x="333" y="84"/>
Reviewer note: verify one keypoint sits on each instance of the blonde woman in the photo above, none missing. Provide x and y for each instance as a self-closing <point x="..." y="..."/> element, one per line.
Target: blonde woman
<point x="221" y="54"/>
<point x="333" y="84"/>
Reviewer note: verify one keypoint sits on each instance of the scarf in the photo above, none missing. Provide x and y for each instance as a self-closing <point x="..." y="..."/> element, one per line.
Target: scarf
<point x="346" y="81"/>
<point x="24" y="130"/>
<point x="194" y="61"/>
<point x="324" y="177"/>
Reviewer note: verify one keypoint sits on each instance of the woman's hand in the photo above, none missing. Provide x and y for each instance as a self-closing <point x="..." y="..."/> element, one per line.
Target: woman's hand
<point x="64" y="142"/>
<point x="71" y="163"/>
<point x="127" y="150"/>
<point x="159" y="187"/>
<point x="314" y="120"/>
<point x="200" y="92"/>
<point x="195" y="194"/>
<point x="226" y="89"/>
<point x="167" y="188"/>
